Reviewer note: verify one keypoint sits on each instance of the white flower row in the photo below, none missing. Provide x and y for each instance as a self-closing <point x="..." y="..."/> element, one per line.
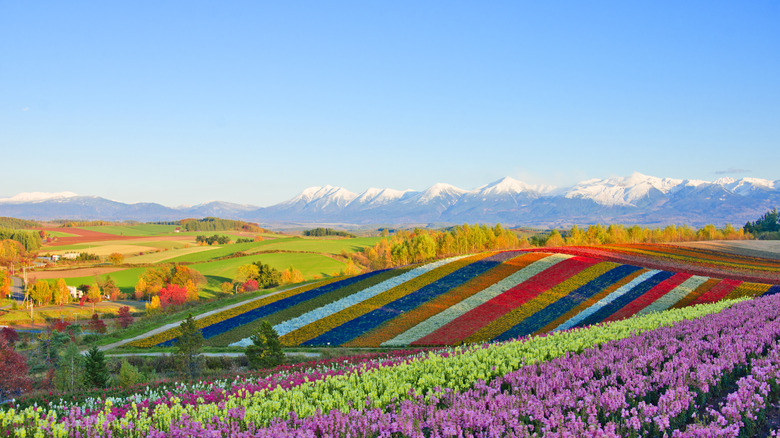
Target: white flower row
<point x="673" y="296"/>
<point x="576" y="319"/>
<point x="451" y="313"/>
<point x="349" y="301"/>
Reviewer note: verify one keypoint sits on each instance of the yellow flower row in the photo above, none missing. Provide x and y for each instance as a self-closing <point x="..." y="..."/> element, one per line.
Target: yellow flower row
<point x="544" y="299"/>
<point x="214" y="318"/>
<point x="748" y="289"/>
<point x="311" y="331"/>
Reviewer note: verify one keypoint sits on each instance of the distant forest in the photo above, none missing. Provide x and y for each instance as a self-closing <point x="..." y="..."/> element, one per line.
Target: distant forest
<point x="17" y="224"/>
<point x="215" y="224"/>
<point x="321" y="232"/>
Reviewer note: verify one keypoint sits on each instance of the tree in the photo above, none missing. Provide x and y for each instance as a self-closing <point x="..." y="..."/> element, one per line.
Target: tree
<point x="153" y="306"/>
<point x="247" y="272"/>
<point x="116" y="258"/>
<point x="140" y="289"/>
<point x="70" y="373"/>
<point x="768" y="222"/>
<point x="61" y="292"/>
<point x="128" y="375"/>
<point x="96" y="324"/>
<point x="265" y="350"/>
<point x="173" y="294"/>
<point x="93" y="295"/>
<point x="11" y="252"/>
<point x="5" y="284"/>
<point x="40" y="292"/>
<point x="124" y="319"/>
<point x="188" y="347"/>
<point x="13" y="368"/>
<point x="95" y="372"/>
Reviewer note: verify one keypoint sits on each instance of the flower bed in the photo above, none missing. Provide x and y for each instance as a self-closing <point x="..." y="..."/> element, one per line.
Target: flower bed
<point x="368" y="322"/>
<point x="415" y="317"/>
<point x="503" y="326"/>
<point x="361" y="394"/>
<point x="311" y="331"/>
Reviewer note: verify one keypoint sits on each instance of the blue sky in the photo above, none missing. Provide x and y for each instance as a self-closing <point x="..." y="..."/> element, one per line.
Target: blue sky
<point x="184" y="102"/>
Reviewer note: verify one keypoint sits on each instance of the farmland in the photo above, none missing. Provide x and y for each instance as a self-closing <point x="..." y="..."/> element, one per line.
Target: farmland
<point x="480" y="298"/>
<point x="612" y="340"/>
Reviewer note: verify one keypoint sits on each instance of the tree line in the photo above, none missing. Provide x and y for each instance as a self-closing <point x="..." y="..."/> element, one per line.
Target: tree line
<point x="30" y="239"/>
<point x="421" y="245"/>
<point x="611" y="234"/>
<point x="322" y="232"/>
<point x="12" y="222"/>
<point x="217" y="224"/>
<point x="765" y="227"/>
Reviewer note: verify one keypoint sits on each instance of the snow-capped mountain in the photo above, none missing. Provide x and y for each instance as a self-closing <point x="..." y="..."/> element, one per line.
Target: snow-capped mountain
<point x="630" y="191"/>
<point x="635" y="199"/>
<point x="27" y="197"/>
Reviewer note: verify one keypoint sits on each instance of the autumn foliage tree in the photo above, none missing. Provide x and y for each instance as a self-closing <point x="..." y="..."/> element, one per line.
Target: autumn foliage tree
<point x="13" y="368"/>
<point x="154" y="279"/>
<point x="124" y="319"/>
<point x="61" y="292"/>
<point x="116" y="258"/>
<point x="41" y="292"/>
<point x="5" y="284"/>
<point x="173" y="294"/>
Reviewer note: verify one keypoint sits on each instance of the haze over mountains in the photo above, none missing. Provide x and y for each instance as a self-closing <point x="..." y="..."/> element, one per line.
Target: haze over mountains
<point x="636" y="199"/>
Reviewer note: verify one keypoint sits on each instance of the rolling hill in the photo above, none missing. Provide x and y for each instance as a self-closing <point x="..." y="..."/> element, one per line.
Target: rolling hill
<point x="484" y="297"/>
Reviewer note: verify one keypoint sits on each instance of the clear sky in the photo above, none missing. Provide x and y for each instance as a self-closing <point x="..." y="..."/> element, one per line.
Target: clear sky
<point x="183" y="102"/>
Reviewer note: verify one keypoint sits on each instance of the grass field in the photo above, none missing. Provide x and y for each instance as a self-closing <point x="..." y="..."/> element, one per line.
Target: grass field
<point x="328" y="246"/>
<point x="310" y="265"/>
<point x="165" y="256"/>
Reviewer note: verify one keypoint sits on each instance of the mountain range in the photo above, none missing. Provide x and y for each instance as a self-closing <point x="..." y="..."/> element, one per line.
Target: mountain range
<point x="636" y="199"/>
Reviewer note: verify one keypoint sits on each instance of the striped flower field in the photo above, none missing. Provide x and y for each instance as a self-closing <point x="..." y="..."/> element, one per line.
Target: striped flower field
<point x="490" y="297"/>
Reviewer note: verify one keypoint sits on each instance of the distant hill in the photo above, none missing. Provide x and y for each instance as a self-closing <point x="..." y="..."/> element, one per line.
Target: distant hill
<point x="636" y="199"/>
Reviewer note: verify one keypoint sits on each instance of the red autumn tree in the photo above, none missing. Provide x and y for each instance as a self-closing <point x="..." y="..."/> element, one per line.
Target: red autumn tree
<point x="173" y="294"/>
<point x="13" y="368"/>
<point x="96" y="325"/>
<point x="124" y="319"/>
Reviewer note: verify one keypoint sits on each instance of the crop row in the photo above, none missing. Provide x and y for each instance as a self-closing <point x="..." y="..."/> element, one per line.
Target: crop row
<point x="649" y="385"/>
<point x="425" y="379"/>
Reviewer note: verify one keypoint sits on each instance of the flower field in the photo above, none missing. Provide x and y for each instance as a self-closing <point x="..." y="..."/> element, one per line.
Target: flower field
<point x="489" y="297"/>
<point x="632" y="377"/>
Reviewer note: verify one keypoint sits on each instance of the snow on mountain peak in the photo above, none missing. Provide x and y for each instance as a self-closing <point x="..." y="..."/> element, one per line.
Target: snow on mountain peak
<point x="621" y="191"/>
<point x="441" y="189"/>
<point x="744" y="185"/>
<point x="511" y="186"/>
<point x="37" y="197"/>
<point x="379" y="196"/>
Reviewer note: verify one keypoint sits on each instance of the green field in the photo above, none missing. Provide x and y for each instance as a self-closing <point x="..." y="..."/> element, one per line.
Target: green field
<point x="310" y="265"/>
<point x="166" y="256"/>
<point x="327" y="246"/>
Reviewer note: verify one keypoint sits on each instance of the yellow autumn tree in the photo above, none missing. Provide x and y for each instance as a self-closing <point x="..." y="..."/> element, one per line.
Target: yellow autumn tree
<point x="153" y="306"/>
<point x="61" y="292"/>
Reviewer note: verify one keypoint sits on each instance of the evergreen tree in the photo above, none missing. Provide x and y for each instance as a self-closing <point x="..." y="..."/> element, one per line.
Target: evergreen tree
<point x="95" y="372"/>
<point x="188" y="347"/>
<point x="265" y="350"/>
<point x="70" y="374"/>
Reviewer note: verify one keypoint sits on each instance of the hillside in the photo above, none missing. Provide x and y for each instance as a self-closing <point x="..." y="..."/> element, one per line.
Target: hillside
<point x="491" y="297"/>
